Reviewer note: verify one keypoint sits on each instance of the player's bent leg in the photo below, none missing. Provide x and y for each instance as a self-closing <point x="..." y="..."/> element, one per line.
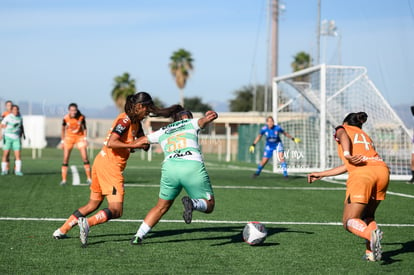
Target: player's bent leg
<point x="156" y="213"/>
<point x="61" y="232"/>
<point x="152" y="218"/>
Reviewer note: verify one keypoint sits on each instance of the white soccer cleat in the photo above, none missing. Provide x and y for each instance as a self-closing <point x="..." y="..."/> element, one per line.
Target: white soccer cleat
<point x="83" y="230"/>
<point x="59" y="235"/>
<point x="376" y="236"/>
<point x="369" y="257"/>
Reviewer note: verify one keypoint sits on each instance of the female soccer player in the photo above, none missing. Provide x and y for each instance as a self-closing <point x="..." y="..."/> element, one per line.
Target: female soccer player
<point x="13" y="131"/>
<point x="273" y="142"/>
<point x="367" y="183"/>
<point x="74" y="133"/>
<point x="183" y="167"/>
<point x="109" y="164"/>
<point x="8" y="104"/>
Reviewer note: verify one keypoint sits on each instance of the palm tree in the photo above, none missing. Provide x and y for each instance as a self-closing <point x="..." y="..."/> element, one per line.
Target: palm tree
<point x="300" y="62"/>
<point x="180" y="66"/>
<point x="123" y="87"/>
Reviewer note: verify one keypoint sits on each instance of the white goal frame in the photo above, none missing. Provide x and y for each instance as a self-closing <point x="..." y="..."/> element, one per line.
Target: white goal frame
<point x="324" y="94"/>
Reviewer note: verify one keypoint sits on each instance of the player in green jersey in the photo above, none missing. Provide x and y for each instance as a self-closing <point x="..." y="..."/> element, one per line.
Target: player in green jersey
<point x="183" y="167"/>
<point x="13" y="130"/>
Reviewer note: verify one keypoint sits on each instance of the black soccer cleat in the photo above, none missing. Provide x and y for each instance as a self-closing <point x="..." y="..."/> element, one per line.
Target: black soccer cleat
<point x="188" y="209"/>
<point x="136" y="240"/>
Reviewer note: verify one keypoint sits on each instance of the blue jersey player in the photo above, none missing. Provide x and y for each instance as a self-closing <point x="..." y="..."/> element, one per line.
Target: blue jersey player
<point x="272" y="133"/>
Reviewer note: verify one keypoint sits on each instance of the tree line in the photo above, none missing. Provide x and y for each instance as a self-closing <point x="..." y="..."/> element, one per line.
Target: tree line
<point x="247" y="98"/>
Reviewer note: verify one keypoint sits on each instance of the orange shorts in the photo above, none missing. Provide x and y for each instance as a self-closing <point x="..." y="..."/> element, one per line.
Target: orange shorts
<point x="367" y="183"/>
<point x="107" y="180"/>
<point x="70" y="141"/>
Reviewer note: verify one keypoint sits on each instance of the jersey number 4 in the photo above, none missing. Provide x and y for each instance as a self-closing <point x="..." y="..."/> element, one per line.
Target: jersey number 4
<point x="360" y="138"/>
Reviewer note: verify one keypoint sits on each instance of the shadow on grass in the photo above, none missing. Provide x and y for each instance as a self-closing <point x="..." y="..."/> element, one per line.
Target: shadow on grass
<point x="407" y="247"/>
<point x="42" y="173"/>
<point x="234" y="235"/>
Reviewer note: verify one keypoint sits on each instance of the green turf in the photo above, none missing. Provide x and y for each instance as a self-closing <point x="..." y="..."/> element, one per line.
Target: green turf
<point x="215" y="246"/>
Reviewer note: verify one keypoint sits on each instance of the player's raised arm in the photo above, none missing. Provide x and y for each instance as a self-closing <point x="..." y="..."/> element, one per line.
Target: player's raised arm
<point x="208" y="118"/>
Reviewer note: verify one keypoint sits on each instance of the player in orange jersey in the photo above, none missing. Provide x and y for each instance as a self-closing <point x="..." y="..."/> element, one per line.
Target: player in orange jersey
<point x="108" y="167"/>
<point x="8" y="106"/>
<point x="74" y="133"/>
<point x="368" y="178"/>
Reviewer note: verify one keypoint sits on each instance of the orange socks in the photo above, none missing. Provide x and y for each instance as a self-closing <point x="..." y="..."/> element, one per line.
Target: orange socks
<point x="70" y="222"/>
<point x="98" y="218"/>
<point x="360" y="228"/>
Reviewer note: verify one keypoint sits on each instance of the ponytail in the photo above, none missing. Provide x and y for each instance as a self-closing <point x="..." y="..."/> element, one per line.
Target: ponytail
<point x="356" y="119"/>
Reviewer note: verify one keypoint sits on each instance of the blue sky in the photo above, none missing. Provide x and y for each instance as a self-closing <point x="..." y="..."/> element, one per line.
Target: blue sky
<point x="58" y="52"/>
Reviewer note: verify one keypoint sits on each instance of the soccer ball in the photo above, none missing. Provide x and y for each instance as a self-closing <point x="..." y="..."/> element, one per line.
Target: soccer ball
<point x="254" y="233"/>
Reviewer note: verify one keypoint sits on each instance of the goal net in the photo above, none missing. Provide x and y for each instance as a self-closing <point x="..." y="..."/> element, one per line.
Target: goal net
<point x="310" y="103"/>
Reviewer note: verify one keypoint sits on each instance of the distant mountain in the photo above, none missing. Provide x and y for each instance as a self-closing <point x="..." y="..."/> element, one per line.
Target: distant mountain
<point x="219" y="106"/>
<point x="404" y="112"/>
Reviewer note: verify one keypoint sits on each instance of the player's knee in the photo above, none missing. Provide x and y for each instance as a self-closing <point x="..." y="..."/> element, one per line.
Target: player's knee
<point x="345" y="223"/>
<point x="113" y="213"/>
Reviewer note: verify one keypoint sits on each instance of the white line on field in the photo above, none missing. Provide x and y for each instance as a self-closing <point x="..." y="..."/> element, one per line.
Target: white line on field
<point x="249" y="187"/>
<point x="203" y="221"/>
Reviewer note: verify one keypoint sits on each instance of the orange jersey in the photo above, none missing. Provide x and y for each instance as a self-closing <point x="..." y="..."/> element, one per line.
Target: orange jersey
<point x="74" y="126"/>
<point x="127" y="132"/>
<point x="4" y="114"/>
<point x="361" y="145"/>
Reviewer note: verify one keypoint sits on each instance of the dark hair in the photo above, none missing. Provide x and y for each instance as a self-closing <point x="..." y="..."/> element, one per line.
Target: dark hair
<point x="138" y="98"/>
<point x="8" y="101"/>
<point x="356" y="119"/>
<point x="179" y="116"/>
<point x="78" y="112"/>
<point x="171" y="111"/>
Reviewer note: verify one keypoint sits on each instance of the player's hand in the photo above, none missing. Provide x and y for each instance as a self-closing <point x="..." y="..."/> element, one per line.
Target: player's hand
<point x="313" y="176"/>
<point x="296" y="140"/>
<point x="146" y="147"/>
<point x="355" y="160"/>
<point x="211" y="115"/>
<point x="251" y="149"/>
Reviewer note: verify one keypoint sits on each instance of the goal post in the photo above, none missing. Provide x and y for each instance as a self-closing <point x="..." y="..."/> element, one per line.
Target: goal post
<point x="310" y="103"/>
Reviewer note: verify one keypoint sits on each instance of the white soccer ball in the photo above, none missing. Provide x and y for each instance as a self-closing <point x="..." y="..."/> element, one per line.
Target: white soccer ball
<point x="254" y="233"/>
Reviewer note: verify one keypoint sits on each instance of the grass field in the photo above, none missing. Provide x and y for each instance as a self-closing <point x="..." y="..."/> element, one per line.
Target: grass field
<point x="303" y="221"/>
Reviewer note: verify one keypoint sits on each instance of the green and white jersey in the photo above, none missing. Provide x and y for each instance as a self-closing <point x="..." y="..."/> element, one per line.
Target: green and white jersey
<point x="179" y="140"/>
<point x="13" y="126"/>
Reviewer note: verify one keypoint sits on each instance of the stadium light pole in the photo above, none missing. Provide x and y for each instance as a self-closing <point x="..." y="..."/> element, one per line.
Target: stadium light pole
<point x="318" y="35"/>
<point x="275" y="8"/>
<point x="328" y="28"/>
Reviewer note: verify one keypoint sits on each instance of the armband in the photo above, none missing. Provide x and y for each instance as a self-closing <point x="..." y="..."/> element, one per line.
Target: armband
<point x="346" y="153"/>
